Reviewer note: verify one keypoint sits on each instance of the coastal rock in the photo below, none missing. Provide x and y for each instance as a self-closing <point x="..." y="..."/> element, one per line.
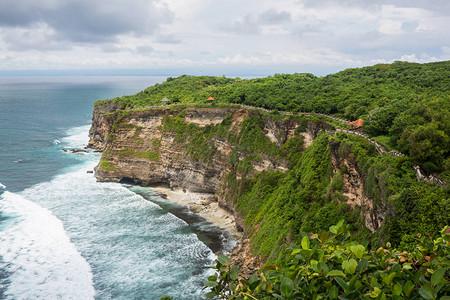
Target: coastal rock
<point x="140" y="147"/>
<point x="142" y="132"/>
<point x="78" y="151"/>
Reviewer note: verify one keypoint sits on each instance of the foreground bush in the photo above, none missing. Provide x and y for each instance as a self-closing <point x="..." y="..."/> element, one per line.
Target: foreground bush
<point x="332" y="266"/>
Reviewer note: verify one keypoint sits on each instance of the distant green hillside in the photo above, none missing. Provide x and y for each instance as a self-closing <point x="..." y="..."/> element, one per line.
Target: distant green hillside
<point x="406" y="106"/>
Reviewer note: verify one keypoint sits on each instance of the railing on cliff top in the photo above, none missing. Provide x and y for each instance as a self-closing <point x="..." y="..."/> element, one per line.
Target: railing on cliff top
<point x="379" y="147"/>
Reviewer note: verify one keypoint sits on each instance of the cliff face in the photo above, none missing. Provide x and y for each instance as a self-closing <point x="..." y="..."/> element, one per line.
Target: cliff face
<point x="143" y="147"/>
<point x="102" y="121"/>
<point x="353" y="188"/>
<point x="199" y="149"/>
<point x="157" y="146"/>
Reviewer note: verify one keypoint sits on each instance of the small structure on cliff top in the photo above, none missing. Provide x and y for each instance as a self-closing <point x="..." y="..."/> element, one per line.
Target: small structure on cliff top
<point x="357" y="125"/>
<point x="211" y="99"/>
<point x="165" y="99"/>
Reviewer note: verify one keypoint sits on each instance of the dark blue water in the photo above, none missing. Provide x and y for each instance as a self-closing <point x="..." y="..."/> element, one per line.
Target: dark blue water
<point x="62" y="234"/>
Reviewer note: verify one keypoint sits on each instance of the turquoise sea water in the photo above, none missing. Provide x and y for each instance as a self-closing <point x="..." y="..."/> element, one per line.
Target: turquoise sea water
<point x="65" y="236"/>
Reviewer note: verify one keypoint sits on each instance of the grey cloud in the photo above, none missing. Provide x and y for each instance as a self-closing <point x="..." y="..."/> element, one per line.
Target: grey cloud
<point x="307" y="28"/>
<point x="88" y="21"/>
<point x="375" y="44"/>
<point x="22" y="40"/>
<point x="167" y="39"/>
<point x="93" y="21"/>
<point x="20" y="13"/>
<point x="367" y="4"/>
<point x="272" y="17"/>
<point x="441" y="7"/>
<point x="247" y="25"/>
<point x="110" y="48"/>
<point x="145" y="50"/>
<point x="251" y="24"/>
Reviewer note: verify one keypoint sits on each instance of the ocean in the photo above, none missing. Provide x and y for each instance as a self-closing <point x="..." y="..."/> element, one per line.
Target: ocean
<point x="65" y="236"/>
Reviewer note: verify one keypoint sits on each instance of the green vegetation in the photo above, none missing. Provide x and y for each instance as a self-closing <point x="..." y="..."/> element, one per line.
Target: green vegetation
<point x="148" y="154"/>
<point x="405" y="106"/>
<point x="407" y="102"/>
<point x="276" y="204"/>
<point x="106" y="165"/>
<point x="390" y="182"/>
<point x="280" y="207"/>
<point x="199" y="141"/>
<point x="332" y="266"/>
<point x="111" y="137"/>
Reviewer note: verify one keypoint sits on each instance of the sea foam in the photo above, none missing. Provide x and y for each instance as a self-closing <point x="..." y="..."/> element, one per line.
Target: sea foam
<point x="38" y="254"/>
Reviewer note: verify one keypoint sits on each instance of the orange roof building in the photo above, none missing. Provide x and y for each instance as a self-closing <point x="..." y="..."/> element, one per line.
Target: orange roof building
<point x="357" y="123"/>
<point x="211" y="99"/>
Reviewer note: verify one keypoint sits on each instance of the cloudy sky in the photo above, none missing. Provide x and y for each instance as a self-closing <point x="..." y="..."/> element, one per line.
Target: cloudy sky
<point x="233" y="37"/>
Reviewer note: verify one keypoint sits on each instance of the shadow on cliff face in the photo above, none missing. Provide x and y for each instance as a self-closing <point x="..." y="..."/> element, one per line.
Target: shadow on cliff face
<point x="217" y="239"/>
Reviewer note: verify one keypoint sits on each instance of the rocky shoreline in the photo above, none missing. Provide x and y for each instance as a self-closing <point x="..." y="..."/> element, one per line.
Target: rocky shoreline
<point x="205" y="205"/>
<point x="152" y="147"/>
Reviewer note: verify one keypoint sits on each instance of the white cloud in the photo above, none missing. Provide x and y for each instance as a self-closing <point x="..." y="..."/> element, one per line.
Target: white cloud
<point x="249" y="34"/>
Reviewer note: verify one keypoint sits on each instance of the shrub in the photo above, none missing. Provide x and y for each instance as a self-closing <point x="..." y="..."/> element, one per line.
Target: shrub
<point x="106" y="165"/>
<point x="332" y="266"/>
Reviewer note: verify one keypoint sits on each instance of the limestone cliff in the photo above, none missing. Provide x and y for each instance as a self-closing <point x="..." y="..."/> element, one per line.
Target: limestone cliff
<point x="140" y="146"/>
<point x="196" y="148"/>
<point x="353" y="188"/>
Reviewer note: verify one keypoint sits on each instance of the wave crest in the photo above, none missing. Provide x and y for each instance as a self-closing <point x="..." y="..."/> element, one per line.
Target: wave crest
<point x="42" y="261"/>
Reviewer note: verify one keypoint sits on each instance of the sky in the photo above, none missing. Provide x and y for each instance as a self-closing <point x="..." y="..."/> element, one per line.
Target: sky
<point x="218" y="37"/>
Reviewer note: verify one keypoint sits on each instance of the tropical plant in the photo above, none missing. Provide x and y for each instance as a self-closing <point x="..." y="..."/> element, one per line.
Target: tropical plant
<point x="332" y="266"/>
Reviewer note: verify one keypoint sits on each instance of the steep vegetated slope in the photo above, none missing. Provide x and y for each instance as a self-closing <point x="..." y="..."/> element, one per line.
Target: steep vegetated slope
<point x="286" y="175"/>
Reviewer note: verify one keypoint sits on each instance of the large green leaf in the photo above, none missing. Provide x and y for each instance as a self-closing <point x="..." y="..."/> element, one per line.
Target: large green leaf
<point x="397" y="289"/>
<point x="287" y="286"/>
<point x="334" y="229"/>
<point x="322" y="267"/>
<point x="210" y="283"/>
<point x="408" y="288"/>
<point x="426" y="292"/>
<point x="342" y="283"/>
<point x="211" y="294"/>
<point x="362" y="266"/>
<point x="358" y="250"/>
<point x="305" y="243"/>
<point x="234" y="273"/>
<point x="376" y="292"/>
<point x="223" y="259"/>
<point x="388" y="278"/>
<point x="336" y="273"/>
<point x="349" y="265"/>
<point x="437" y="276"/>
<point x="333" y="292"/>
